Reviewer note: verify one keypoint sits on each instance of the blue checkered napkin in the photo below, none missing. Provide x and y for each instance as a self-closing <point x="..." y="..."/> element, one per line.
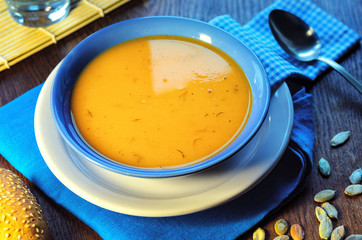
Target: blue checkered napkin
<point x="336" y="39"/>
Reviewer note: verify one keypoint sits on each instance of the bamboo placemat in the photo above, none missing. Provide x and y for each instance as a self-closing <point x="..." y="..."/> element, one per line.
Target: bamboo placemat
<point x="18" y="42"/>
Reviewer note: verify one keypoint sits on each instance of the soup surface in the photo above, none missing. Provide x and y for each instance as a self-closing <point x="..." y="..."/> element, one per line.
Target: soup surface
<point x="161" y="101"/>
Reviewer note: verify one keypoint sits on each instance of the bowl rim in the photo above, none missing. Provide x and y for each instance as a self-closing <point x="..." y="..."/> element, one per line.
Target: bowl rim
<point x="83" y="149"/>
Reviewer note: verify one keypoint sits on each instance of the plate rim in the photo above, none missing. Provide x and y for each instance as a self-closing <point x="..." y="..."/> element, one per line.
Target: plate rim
<point x="94" y="199"/>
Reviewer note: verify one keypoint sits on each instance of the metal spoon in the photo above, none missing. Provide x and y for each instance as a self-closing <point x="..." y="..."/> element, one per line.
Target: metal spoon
<point x="300" y="41"/>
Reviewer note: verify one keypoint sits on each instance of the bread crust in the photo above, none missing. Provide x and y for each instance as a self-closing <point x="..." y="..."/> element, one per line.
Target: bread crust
<point x="20" y="214"/>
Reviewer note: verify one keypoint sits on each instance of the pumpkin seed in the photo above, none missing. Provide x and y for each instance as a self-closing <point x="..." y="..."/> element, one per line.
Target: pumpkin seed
<point x="296" y="231"/>
<point x="356" y="176"/>
<point x="259" y="234"/>
<point x="338" y="233"/>
<point x="325" y="228"/>
<point x="324" y="196"/>
<point x="282" y="237"/>
<point x="340" y="138"/>
<point x="354" y="237"/>
<point x="324" y="168"/>
<point x="320" y="213"/>
<point x="330" y="210"/>
<point x="353" y="190"/>
<point x="281" y="227"/>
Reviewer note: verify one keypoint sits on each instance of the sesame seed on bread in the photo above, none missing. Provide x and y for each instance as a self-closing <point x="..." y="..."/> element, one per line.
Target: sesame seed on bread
<point x="20" y="213"/>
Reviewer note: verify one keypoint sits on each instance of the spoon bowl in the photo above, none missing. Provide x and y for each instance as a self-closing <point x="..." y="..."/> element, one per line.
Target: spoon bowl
<point x="300" y="41"/>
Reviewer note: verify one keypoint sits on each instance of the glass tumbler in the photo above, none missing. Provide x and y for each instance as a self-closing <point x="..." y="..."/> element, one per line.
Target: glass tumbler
<point x="38" y="13"/>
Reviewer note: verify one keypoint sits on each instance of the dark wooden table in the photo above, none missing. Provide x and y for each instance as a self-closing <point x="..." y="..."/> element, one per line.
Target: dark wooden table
<point x="337" y="107"/>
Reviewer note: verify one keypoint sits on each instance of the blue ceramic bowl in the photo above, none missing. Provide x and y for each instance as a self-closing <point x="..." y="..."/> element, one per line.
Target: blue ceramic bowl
<point x="89" y="48"/>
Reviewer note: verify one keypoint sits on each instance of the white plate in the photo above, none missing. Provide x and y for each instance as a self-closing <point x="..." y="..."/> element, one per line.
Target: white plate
<point x="167" y="196"/>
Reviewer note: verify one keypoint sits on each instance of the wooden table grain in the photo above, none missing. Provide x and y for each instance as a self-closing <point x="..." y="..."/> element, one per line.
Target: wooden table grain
<point x="337" y="107"/>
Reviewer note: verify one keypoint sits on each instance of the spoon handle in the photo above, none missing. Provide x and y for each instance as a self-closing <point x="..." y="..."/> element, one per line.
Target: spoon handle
<point x="352" y="80"/>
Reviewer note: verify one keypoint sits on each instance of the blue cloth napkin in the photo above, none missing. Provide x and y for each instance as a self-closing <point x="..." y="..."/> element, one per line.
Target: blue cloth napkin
<point x="230" y="220"/>
<point x="336" y="39"/>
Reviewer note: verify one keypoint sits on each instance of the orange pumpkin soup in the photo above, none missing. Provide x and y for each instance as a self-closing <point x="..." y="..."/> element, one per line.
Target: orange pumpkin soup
<point x="161" y="101"/>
